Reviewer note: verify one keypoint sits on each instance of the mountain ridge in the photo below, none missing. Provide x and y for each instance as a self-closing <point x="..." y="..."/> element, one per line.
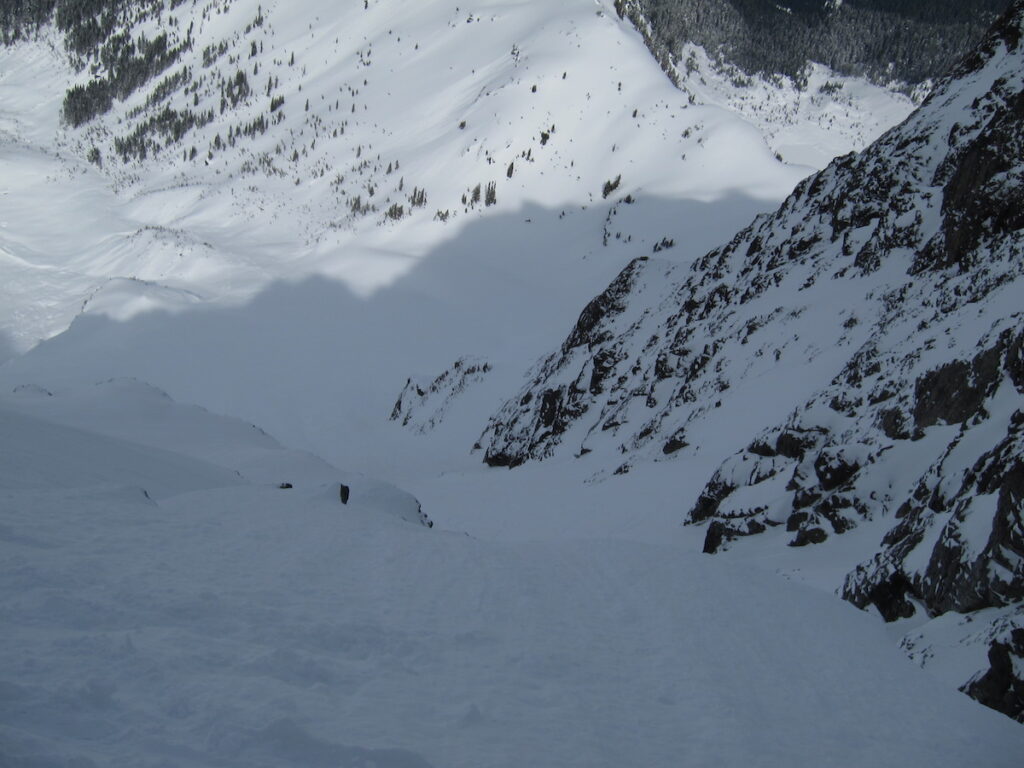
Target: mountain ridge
<point x="377" y="192"/>
<point x="879" y="278"/>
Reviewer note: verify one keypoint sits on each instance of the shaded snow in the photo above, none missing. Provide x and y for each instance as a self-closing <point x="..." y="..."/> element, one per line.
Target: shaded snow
<point x="245" y="624"/>
<point x="166" y="602"/>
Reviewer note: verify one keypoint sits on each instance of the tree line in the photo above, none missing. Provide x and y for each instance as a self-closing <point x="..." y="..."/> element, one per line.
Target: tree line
<point x="97" y="34"/>
<point x="884" y="40"/>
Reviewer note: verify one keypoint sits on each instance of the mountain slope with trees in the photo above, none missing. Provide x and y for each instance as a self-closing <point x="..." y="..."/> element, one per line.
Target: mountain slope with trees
<point x="883" y="40"/>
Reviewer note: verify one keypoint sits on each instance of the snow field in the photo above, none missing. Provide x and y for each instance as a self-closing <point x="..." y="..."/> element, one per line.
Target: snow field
<point x="246" y="624"/>
<point x="165" y="602"/>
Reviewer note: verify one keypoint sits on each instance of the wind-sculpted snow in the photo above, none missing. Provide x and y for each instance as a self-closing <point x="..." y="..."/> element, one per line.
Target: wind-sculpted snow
<point x="878" y="308"/>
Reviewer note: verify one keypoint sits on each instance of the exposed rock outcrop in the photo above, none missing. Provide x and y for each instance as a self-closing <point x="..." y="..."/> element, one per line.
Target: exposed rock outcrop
<point x="1001" y="687"/>
<point x="422" y="405"/>
<point x="878" y="311"/>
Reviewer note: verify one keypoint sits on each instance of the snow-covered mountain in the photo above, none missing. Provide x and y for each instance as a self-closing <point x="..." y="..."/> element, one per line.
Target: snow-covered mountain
<point x="205" y="150"/>
<point x="291" y="214"/>
<point x="859" y="351"/>
<point x="185" y="269"/>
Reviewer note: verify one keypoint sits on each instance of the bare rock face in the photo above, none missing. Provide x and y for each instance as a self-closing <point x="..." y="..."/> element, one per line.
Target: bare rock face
<point x="877" y="317"/>
<point x="532" y="426"/>
<point x="958" y="546"/>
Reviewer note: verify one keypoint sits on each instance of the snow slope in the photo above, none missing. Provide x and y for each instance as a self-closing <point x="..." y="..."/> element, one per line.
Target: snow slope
<point x="852" y="360"/>
<point x="169" y="611"/>
<point x="378" y="104"/>
<point x="807" y="123"/>
<point x="204" y="615"/>
<point x="203" y="275"/>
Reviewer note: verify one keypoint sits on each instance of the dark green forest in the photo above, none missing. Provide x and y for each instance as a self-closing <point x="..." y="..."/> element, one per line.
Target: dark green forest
<point x="884" y="40"/>
<point x="97" y="34"/>
<point x="20" y="17"/>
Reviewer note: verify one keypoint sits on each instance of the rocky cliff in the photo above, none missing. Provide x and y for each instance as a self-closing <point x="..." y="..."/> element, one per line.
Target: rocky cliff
<point x="862" y="347"/>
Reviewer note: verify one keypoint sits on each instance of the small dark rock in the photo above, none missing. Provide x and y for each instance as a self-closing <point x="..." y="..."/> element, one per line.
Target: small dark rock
<point x="502" y="459"/>
<point x="714" y="537"/>
<point x="795" y="520"/>
<point x="550" y="406"/>
<point x="833" y="469"/>
<point x="792" y="445"/>
<point x="1015" y="362"/>
<point x="675" y="443"/>
<point x="999" y="688"/>
<point x="807" y="536"/>
<point x="892" y="422"/>
<point x="709" y="500"/>
<point x="954" y="392"/>
<point x="890" y="598"/>
<point x="663" y="368"/>
<point x="804" y="498"/>
<point x="603" y="364"/>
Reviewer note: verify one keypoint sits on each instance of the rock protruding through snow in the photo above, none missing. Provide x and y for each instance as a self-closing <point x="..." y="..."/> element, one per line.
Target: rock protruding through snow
<point x="879" y="309"/>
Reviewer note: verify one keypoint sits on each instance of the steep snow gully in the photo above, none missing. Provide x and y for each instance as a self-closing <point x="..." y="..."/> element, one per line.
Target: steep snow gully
<point x="475" y="252"/>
